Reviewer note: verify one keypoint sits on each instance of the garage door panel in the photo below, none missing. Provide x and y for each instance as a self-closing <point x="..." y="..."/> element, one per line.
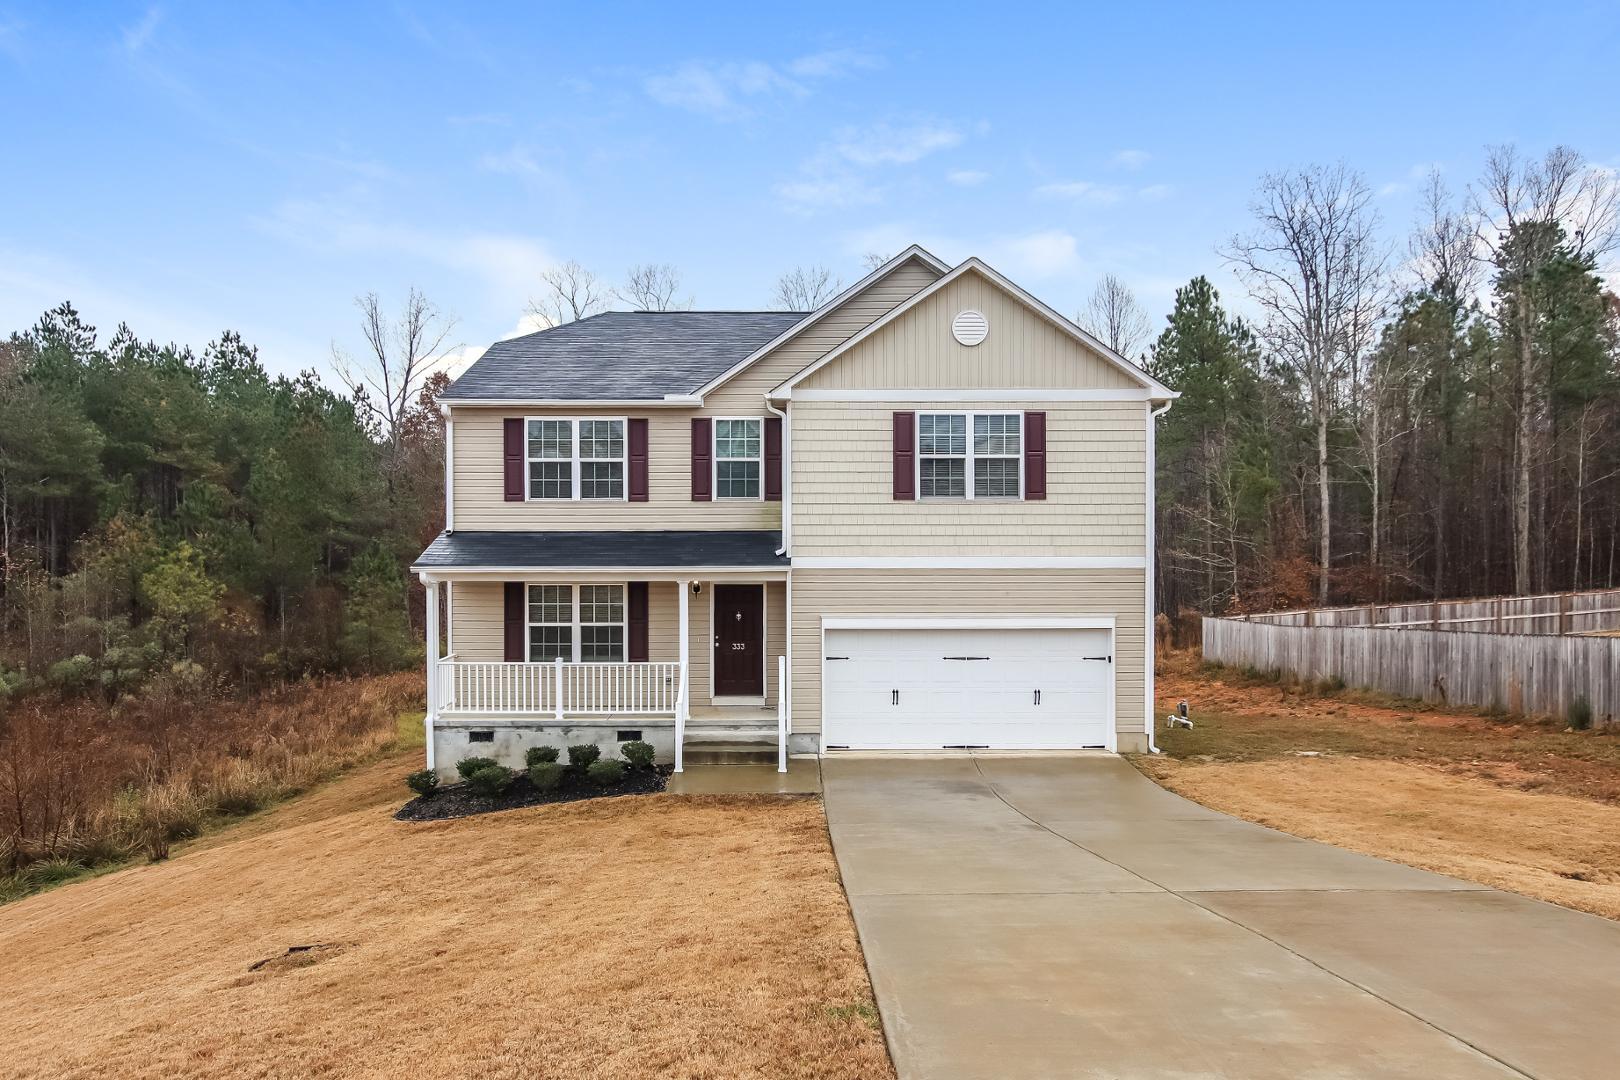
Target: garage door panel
<point x="926" y="689"/>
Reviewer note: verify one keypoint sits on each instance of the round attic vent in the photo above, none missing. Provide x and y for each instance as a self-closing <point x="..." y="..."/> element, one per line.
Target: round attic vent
<point x="970" y="327"/>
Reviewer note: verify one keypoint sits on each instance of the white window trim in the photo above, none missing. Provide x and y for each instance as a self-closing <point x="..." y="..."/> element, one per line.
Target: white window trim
<point x="967" y="496"/>
<point x="575" y="486"/>
<point x="575" y="640"/>
<point x="714" y="460"/>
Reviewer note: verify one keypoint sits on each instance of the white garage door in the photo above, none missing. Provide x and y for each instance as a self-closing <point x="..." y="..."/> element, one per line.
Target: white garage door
<point x="997" y="688"/>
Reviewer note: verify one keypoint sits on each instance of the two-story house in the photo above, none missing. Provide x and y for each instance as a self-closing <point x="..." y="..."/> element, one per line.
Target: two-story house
<point x="919" y="517"/>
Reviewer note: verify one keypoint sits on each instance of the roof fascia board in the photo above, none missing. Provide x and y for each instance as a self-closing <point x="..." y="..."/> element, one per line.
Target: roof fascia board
<point x="1157" y="391"/>
<point x="915" y="251"/>
<point x="668" y="401"/>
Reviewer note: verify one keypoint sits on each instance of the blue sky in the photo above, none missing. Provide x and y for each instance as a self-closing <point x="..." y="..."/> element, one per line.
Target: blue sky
<point x="191" y="168"/>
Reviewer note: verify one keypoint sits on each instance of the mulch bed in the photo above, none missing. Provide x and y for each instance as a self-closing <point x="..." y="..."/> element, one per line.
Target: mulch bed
<point x="458" y="800"/>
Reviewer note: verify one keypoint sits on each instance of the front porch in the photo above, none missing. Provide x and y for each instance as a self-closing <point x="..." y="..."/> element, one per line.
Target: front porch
<point x="690" y="659"/>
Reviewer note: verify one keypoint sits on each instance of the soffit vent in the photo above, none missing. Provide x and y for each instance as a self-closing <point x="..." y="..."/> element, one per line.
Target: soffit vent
<point x="970" y="327"/>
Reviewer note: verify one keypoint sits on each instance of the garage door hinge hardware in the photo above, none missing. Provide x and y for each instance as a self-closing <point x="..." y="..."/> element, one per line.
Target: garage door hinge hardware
<point x="894" y="697"/>
<point x="964" y="658"/>
<point x="1108" y="659"/>
<point x="1037" y="697"/>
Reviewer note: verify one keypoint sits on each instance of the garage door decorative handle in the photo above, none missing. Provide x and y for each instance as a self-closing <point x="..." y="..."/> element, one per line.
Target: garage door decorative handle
<point x="894" y="697"/>
<point x="1106" y="659"/>
<point x="964" y="658"/>
<point x="1037" y="697"/>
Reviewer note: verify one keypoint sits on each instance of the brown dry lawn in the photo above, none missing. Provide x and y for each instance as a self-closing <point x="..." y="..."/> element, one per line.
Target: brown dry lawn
<point x="1523" y="806"/>
<point x="650" y="936"/>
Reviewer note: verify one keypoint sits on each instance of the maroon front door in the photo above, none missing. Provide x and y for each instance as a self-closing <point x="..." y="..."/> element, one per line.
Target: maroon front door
<point x="739" y="640"/>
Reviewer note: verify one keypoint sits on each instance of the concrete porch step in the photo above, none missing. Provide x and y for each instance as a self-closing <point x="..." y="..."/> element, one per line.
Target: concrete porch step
<point x="730" y="753"/>
<point x="731" y="733"/>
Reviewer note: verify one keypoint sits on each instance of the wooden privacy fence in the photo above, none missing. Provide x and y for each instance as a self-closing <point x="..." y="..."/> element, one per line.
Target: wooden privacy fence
<point x="1521" y="673"/>
<point x="1588" y="612"/>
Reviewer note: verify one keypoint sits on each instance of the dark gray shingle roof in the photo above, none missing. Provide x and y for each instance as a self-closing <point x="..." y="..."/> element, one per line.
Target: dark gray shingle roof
<point x="539" y="550"/>
<point x="619" y="355"/>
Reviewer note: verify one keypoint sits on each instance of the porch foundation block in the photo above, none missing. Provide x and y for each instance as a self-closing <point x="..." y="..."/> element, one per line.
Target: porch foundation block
<point x="509" y="742"/>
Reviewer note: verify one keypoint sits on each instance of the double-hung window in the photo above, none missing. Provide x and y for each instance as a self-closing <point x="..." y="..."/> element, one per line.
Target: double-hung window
<point x="576" y="459"/>
<point x="970" y="455"/>
<point x="576" y="623"/>
<point x="738" y="457"/>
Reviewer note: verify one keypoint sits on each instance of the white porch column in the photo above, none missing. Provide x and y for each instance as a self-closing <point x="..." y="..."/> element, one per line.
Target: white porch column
<point x="432" y="662"/>
<point x="684" y="588"/>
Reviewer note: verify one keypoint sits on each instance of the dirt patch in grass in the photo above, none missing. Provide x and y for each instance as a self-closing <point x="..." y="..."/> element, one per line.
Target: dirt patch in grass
<point x="695" y="937"/>
<point x="1556" y="847"/>
<point x="1520" y="805"/>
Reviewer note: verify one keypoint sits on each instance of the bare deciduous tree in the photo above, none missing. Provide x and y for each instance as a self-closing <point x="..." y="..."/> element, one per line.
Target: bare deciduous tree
<point x="653" y="287"/>
<point x="1525" y="209"/>
<point x="399" y="355"/>
<point x="1113" y="316"/>
<point x="874" y="259"/>
<point x="805" y="288"/>
<point x="1315" y="266"/>
<point x="571" y="293"/>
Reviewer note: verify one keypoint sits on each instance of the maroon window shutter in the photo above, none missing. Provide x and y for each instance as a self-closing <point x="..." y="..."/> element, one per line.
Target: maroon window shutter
<point x="1034" y="455"/>
<point x="515" y="622"/>
<point x="512" y="455"/>
<point x="773" y="458"/>
<point x="636" y="617"/>
<point x="637" y="439"/>
<point x="905" y="455"/>
<point x="702" y="459"/>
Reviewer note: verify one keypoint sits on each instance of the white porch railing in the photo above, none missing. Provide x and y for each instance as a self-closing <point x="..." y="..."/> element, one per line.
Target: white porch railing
<point x="559" y="689"/>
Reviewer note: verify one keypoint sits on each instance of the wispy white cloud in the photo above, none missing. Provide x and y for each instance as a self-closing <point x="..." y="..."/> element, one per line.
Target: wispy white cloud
<point x="966" y="177"/>
<point x="138" y="35"/>
<point x="839" y="173"/>
<point x="1156" y="192"/>
<point x="1042" y="254"/>
<point x="730" y="90"/>
<point x="508" y="264"/>
<point x="1130" y="159"/>
<point x="11" y="36"/>
<point x="883" y="144"/>
<point x="1080" y="191"/>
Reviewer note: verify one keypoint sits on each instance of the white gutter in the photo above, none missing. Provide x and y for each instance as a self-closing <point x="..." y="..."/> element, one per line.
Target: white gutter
<point x="787" y="478"/>
<point x="1151" y="652"/>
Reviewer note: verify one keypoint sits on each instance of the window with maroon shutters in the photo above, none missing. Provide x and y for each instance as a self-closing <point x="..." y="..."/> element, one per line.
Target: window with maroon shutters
<point x="905" y="455"/>
<point x="702" y="459"/>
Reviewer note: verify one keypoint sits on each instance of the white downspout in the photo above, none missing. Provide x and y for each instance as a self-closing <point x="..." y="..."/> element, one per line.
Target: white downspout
<point x="449" y="469"/>
<point x="787" y="478"/>
<point x="1150" y="496"/>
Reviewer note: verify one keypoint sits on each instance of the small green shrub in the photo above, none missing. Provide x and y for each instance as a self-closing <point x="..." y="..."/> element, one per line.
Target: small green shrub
<point x="536" y="755"/>
<point x="606" y="773"/>
<point x="1580" y="714"/>
<point x="492" y="780"/>
<point x="546" y="775"/>
<point x="469" y="765"/>
<point x="73" y="674"/>
<point x="638" y="753"/>
<point x="424" y="782"/>
<point x="581" y="755"/>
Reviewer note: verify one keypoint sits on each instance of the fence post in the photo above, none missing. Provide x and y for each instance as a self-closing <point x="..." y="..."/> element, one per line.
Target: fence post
<point x="1563" y="613"/>
<point x="558" y="668"/>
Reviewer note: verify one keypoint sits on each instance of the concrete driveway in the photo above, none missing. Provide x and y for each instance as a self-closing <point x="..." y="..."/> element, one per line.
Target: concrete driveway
<point x="1064" y="917"/>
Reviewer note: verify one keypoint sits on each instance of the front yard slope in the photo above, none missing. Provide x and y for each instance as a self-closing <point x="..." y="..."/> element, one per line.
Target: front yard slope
<point x="651" y="936"/>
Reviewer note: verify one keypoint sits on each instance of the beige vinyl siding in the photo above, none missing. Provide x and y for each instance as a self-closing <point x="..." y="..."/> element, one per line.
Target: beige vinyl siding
<point x="1023" y="349"/>
<point x="478" y="631"/>
<point x="999" y="593"/>
<point x="480" y="502"/>
<point x="843" y="486"/>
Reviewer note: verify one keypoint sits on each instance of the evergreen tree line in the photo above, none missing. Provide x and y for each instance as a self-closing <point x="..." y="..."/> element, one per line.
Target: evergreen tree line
<point x="169" y="516"/>
<point x="1443" y="423"/>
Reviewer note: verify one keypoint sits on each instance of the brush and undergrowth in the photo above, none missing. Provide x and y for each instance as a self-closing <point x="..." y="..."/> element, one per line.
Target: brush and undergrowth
<point x="87" y="786"/>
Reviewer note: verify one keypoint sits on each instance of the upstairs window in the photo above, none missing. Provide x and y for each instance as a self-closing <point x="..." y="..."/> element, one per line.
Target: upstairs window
<point x="970" y="455"/>
<point x="738" y="457"/>
<point x="576" y="459"/>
